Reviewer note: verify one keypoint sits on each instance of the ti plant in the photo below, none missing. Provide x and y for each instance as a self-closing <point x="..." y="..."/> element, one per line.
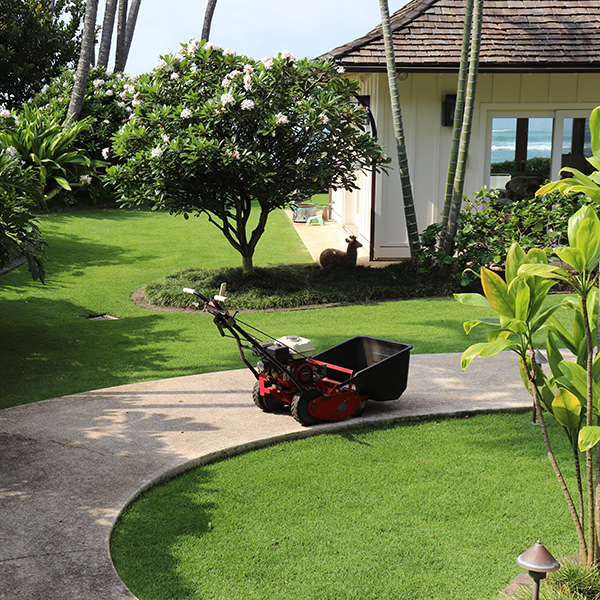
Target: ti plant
<point x="571" y="391"/>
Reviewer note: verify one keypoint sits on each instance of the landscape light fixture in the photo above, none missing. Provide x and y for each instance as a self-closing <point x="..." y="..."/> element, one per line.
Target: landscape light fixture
<point x="538" y="561"/>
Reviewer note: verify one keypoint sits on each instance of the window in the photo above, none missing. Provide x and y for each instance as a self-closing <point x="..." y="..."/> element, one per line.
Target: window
<point x="526" y="150"/>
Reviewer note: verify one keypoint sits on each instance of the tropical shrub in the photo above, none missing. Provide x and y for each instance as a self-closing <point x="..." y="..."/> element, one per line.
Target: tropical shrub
<point x="107" y="105"/>
<point x="19" y="233"/>
<point x="213" y="132"/>
<point x="46" y="145"/>
<point x="486" y="230"/>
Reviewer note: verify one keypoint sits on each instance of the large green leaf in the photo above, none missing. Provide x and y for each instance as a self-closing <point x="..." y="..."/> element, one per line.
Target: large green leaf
<point x="574" y="257"/>
<point x="515" y="257"/>
<point x="485" y="349"/>
<point x="567" y="409"/>
<point x="522" y="295"/>
<point x="584" y="234"/>
<point x="588" y="438"/>
<point x="542" y="270"/>
<point x="473" y="300"/>
<point x="496" y="291"/>
<point x="595" y="131"/>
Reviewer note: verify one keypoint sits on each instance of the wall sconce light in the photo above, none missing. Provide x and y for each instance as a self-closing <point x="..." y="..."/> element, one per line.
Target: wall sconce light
<point x="448" y="106"/>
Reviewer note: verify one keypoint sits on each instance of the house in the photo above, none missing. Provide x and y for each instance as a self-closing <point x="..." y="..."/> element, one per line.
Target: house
<point x="539" y="79"/>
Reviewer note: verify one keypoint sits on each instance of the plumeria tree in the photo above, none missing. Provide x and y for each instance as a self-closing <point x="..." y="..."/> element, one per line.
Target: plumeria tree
<point x="220" y="134"/>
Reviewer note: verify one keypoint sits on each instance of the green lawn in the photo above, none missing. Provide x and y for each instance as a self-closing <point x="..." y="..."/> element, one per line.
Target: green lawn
<point x="98" y="258"/>
<point x="435" y="510"/>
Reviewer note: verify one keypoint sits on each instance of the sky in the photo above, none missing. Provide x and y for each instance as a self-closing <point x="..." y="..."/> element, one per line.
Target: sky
<point x="306" y="28"/>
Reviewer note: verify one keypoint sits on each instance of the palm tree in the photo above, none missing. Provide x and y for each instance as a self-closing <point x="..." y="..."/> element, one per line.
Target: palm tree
<point x="208" y="15"/>
<point x="86" y="57"/>
<point x="407" y="196"/>
<point x="465" y="134"/>
<point x="108" y="24"/>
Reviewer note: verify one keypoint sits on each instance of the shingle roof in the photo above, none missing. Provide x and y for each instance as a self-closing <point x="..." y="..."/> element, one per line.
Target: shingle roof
<point x="517" y="35"/>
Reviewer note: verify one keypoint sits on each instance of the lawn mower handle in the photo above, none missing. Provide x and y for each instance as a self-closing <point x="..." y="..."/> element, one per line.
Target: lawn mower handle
<point x="196" y="293"/>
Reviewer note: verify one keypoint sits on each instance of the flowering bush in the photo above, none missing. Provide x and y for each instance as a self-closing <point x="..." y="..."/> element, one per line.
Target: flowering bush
<point x="213" y="132"/>
<point x="108" y="102"/>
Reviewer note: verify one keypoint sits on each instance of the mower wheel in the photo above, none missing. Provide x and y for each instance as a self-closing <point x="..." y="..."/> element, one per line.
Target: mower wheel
<point x="361" y="409"/>
<point x="300" y="406"/>
<point x="266" y="403"/>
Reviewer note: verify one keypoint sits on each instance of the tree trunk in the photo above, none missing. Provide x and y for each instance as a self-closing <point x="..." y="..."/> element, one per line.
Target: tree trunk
<point x="208" y="15"/>
<point x="108" y="24"/>
<point x="458" y="110"/>
<point x="129" y="29"/>
<point x="465" y="136"/>
<point x="121" y="26"/>
<point x="85" y="60"/>
<point x="409" y="206"/>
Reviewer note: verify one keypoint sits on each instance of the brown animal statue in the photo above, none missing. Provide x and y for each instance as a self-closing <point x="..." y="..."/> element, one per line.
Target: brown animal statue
<point x="331" y="256"/>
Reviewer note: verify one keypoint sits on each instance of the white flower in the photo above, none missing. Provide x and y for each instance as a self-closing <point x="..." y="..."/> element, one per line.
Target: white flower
<point x="156" y="152"/>
<point x="186" y="113"/>
<point x="247" y="82"/>
<point x="235" y="154"/>
<point x="280" y="119"/>
<point x="120" y="104"/>
<point x="5" y="113"/>
<point x="227" y="99"/>
<point x="229" y="52"/>
<point x="160" y="64"/>
<point x="85" y="179"/>
<point x="247" y="104"/>
<point x="106" y="121"/>
<point x="211" y="46"/>
<point x="45" y="88"/>
<point x="136" y="102"/>
<point x="324" y="118"/>
<point x="97" y="82"/>
<point x="174" y="76"/>
<point x="267" y="61"/>
<point x="191" y="48"/>
<point x="110" y="93"/>
<point x="341" y="70"/>
<point x="11" y="151"/>
<point x="248" y="69"/>
<point x="166" y="139"/>
<point x="105" y="153"/>
<point x="289" y="55"/>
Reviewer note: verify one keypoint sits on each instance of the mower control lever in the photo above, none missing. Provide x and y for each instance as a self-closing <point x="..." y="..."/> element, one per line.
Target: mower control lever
<point x="196" y="293"/>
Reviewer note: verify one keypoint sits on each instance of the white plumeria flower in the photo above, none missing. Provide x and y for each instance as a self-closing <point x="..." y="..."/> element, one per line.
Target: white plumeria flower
<point x="211" y="46"/>
<point x="45" y="88"/>
<point x="174" y="76"/>
<point x="280" y="119"/>
<point x="341" y="70"/>
<point x="110" y="93"/>
<point x="85" y="179"/>
<point x="289" y="55"/>
<point x="186" y="113"/>
<point x="248" y="69"/>
<point x="5" y="113"/>
<point x="166" y="139"/>
<point x="105" y="153"/>
<point x="248" y="82"/>
<point x="97" y="82"/>
<point x="324" y="118"/>
<point x="160" y="64"/>
<point x="235" y="154"/>
<point x="11" y="151"/>
<point x="267" y="61"/>
<point x="229" y="52"/>
<point x="247" y="104"/>
<point x="156" y="152"/>
<point x="227" y="99"/>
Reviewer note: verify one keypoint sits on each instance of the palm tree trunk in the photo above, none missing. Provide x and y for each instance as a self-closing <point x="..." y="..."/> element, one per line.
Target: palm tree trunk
<point x="108" y="24"/>
<point x="134" y="10"/>
<point x="121" y="25"/>
<point x="407" y="195"/>
<point x="85" y="60"/>
<point x="208" y="15"/>
<point x="465" y="136"/>
<point x="458" y="110"/>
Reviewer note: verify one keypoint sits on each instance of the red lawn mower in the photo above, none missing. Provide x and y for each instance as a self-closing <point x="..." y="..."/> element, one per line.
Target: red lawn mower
<point x="329" y="386"/>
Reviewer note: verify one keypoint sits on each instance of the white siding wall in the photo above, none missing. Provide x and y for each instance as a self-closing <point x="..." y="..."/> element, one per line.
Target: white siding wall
<point x="428" y="143"/>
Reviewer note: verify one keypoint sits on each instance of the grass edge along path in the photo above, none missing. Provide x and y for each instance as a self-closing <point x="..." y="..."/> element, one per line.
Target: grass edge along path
<point x="433" y="509"/>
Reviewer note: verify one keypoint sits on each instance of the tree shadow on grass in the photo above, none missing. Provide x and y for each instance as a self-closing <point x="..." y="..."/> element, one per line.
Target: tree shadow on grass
<point x="52" y="350"/>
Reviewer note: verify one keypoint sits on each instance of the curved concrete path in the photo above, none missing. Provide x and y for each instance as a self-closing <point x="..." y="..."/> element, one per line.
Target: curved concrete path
<point x="69" y="466"/>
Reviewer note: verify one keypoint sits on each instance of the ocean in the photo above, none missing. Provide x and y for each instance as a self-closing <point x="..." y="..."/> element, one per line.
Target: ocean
<point x="539" y="143"/>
